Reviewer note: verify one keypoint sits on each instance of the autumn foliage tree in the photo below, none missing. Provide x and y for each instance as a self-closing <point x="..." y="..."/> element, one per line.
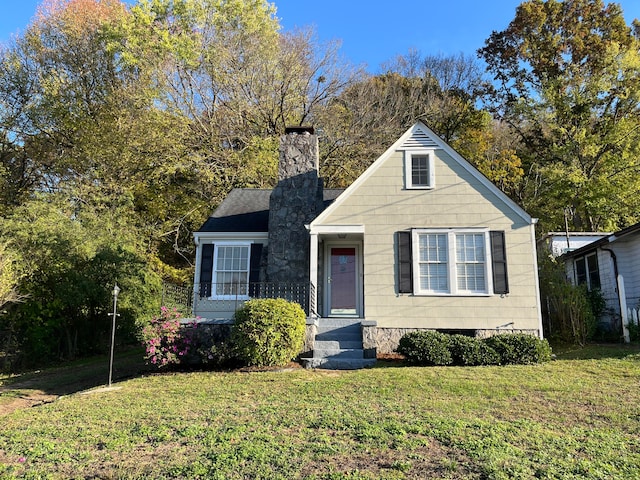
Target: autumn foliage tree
<point x="567" y="82"/>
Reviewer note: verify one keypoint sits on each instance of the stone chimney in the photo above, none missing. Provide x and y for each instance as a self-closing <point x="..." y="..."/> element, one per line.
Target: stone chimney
<point x="295" y="202"/>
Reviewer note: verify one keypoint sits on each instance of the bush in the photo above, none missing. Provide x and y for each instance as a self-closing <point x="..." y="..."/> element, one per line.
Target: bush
<point x="573" y="310"/>
<point x="519" y="348"/>
<point x="426" y="347"/>
<point x="469" y="351"/>
<point x="268" y="332"/>
<point x="166" y="342"/>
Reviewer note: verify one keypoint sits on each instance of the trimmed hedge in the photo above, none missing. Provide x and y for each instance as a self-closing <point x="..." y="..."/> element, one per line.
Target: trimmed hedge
<point x="268" y="332"/>
<point x="469" y="351"/>
<point x="426" y="347"/>
<point x="429" y="347"/>
<point x="520" y="348"/>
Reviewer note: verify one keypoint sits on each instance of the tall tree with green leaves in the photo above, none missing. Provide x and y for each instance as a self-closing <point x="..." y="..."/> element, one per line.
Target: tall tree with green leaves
<point x="371" y="113"/>
<point x="567" y="81"/>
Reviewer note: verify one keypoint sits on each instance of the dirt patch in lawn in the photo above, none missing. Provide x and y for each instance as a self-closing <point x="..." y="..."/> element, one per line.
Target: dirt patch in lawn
<point x="431" y="461"/>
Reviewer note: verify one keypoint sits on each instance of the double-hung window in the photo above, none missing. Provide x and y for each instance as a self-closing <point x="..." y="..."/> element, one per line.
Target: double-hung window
<point x="418" y="167"/>
<point x="451" y="262"/>
<point x="587" y="271"/>
<point x="231" y="271"/>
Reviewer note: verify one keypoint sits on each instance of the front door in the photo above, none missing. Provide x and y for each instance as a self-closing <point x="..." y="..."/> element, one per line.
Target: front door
<point x="342" y="281"/>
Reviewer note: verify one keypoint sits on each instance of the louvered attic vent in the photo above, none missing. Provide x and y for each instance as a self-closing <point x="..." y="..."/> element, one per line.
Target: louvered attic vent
<point x="419" y="139"/>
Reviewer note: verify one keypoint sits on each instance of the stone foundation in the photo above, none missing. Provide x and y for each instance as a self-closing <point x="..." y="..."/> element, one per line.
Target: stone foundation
<point x="369" y="339"/>
<point x="491" y="332"/>
<point x="309" y="338"/>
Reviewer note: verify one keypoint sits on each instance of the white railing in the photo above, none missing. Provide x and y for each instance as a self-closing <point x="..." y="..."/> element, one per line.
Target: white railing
<point x="633" y="316"/>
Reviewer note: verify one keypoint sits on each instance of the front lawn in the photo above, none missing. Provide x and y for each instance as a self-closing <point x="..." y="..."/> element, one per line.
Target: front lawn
<point x="575" y="417"/>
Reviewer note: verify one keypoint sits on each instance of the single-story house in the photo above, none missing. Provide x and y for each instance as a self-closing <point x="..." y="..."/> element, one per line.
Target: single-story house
<point x="559" y="243"/>
<point x="421" y="240"/>
<point x="612" y="265"/>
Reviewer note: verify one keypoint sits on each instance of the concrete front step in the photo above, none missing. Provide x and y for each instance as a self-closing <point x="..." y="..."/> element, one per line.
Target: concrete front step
<point x="336" y="336"/>
<point x="338" y="345"/>
<point x="338" y="353"/>
<point x="339" y="322"/>
<point x="338" y="363"/>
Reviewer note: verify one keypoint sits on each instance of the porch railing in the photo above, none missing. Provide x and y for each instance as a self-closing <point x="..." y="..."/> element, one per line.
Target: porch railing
<point x="230" y="296"/>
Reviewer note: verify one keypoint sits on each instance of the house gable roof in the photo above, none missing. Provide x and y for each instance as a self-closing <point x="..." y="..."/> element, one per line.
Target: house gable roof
<point x="419" y="136"/>
<point x="247" y="210"/>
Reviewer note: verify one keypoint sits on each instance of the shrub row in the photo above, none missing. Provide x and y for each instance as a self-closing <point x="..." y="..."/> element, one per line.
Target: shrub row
<point x="429" y="347"/>
<point x="266" y="332"/>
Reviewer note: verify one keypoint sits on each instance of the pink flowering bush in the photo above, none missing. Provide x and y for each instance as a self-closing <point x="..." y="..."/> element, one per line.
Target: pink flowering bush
<point x="167" y="341"/>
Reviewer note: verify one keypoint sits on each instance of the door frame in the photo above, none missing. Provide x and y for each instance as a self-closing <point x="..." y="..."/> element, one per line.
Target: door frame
<point x="328" y="245"/>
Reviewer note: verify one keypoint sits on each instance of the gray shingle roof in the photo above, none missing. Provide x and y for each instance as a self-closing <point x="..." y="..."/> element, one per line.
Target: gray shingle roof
<point x="247" y="210"/>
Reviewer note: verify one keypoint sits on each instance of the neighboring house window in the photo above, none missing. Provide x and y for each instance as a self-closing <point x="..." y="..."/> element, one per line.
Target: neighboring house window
<point x="587" y="271"/>
<point x="452" y="262"/>
<point x="230" y="270"/>
<point x="419" y="171"/>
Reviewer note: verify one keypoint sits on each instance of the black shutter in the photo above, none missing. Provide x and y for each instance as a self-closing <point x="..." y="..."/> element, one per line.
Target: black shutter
<point x="499" y="262"/>
<point x="254" y="270"/>
<point x="405" y="279"/>
<point x="206" y="270"/>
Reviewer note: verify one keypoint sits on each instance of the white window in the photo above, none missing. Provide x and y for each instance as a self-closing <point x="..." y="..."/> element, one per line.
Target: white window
<point x="418" y="167"/>
<point x="231" y="271"/>
<point x="451" y="262"/>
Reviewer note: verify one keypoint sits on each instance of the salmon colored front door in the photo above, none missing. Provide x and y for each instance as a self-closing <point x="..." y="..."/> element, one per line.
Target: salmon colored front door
<point x="343" y="281"/>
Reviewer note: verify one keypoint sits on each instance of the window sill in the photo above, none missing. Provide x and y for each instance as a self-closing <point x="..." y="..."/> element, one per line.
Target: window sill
<point x="230" y="297"/>
<point x="419" y="187"/>
<point x="447" y="294"/>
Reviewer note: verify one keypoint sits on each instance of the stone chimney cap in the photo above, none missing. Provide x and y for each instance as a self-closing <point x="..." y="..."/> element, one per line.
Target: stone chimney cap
<point x="299" y="130"/>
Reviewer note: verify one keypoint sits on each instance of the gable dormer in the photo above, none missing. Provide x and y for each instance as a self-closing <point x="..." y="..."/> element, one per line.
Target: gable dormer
<point x="419" y="151"/>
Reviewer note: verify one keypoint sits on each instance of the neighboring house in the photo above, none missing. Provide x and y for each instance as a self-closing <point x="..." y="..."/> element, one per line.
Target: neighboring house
<point x="612" y="265"/>
<point x="559" y="243"/>
<point x="421" y="240"/>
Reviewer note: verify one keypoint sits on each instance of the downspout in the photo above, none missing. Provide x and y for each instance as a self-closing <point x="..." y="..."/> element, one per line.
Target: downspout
<point x="622" y="300"/>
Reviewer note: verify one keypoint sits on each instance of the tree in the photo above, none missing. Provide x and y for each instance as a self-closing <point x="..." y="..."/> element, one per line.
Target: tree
<point x="10" y="276"/>
<point x="567" y="80"/>
<point x="370" y="114"/>
<point x="70" y="255"/>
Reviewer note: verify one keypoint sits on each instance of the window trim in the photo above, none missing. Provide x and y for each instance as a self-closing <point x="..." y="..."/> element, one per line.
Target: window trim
<point x="408" y="169"/>
<point x="451" y="262"/>
<point x="214" y="272"/>
<point x="587" y="281"/>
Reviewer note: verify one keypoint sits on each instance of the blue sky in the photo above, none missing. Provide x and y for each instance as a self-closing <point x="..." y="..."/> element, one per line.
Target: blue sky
<point x="373" y="31"/>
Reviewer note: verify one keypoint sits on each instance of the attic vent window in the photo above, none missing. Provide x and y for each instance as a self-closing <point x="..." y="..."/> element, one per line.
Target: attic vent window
<point x="298" y="130"/>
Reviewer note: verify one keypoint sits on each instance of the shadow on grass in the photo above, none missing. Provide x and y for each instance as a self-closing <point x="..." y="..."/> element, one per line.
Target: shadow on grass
<point x="596" y="351"/>
<point x="79" y="375"/>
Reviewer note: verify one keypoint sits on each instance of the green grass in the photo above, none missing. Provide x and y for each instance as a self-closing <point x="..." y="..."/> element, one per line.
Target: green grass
<point x="575" y="417"/>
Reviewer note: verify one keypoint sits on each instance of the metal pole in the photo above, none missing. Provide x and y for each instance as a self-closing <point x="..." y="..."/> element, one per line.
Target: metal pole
<point x="116" y="291"/>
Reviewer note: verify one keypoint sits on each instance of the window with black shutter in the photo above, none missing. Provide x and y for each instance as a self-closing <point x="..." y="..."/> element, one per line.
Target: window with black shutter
<point x="499" y="262"/>
<point x="206" y="270"/>
<point x="405" y="278"/>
